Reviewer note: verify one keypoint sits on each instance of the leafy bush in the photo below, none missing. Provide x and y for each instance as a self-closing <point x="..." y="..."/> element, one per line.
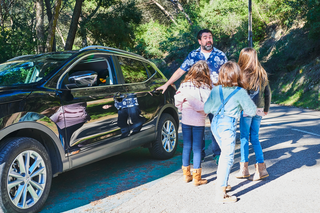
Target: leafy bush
<point x="313" y="18"/>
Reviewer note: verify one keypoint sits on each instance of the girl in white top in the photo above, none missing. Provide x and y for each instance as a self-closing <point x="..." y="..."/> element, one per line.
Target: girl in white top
<point x="190" y="98"/>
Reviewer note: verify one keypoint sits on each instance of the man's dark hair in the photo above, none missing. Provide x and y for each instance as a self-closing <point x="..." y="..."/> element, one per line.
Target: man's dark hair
<point x="203" y="31"/>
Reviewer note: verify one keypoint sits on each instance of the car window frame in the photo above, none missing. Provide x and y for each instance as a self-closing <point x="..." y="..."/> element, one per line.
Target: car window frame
<point x="143" y="61"/>
<point x="67" y="70"/>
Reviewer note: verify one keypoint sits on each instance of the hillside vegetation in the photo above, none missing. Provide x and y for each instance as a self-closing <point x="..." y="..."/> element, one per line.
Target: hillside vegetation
<point x="285" y="34"/>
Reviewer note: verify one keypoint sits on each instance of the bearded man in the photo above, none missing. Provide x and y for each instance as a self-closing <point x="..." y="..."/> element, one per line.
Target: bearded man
<point x="215" y="59"/>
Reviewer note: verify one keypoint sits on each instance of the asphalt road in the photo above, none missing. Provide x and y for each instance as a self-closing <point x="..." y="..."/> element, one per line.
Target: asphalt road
<point x="133" y="182"/>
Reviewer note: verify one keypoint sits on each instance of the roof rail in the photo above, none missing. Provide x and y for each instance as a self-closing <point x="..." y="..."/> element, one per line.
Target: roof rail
<point x="109" y="48"/>
<point x="18" y="57"/>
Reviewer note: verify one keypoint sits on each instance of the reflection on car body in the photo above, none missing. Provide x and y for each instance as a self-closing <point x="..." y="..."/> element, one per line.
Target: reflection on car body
<point x="59" y="111"/>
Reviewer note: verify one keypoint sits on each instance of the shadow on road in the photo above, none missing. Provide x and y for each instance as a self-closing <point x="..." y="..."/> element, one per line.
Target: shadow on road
<point x="293" y="157"/>
<point x="106" y="178"/>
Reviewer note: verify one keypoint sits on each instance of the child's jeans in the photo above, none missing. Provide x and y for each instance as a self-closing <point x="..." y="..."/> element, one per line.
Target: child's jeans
<point x="250" y="126"/>
<point x="224" y="130"/>
<point x="192" y="139"/>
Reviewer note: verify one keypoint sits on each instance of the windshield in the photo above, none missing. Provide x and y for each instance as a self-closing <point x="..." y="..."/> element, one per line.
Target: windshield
<point x="30" y="69"/>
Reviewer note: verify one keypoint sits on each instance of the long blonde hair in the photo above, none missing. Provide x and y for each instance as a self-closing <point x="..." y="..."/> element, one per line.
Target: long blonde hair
<point x="199" y="74"/>
<point x="251" y="68"/>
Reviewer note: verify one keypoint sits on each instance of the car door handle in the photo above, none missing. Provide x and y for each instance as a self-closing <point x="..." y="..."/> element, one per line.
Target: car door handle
<point x="156" y="92"/>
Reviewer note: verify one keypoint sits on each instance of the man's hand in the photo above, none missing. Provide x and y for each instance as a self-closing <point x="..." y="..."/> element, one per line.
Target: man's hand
<point x="163" y="88"/>
<point x="176" y="75"/>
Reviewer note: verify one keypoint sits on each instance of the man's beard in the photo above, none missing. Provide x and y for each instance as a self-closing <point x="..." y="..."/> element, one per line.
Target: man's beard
<point x="208" y="46"/>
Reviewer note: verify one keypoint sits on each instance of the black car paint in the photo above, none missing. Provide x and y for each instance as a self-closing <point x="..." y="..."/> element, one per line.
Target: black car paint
<point x="44" y="97"/>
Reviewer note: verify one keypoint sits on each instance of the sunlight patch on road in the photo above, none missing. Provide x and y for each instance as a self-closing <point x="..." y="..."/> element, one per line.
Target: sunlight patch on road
<point x="310" y="133"/>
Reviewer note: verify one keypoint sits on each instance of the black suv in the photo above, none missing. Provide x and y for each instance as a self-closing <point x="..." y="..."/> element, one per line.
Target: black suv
<point x="62" y="110"/>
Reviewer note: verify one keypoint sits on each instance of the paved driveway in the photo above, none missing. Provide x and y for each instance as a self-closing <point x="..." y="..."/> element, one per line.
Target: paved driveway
<point x="133" y="182"/>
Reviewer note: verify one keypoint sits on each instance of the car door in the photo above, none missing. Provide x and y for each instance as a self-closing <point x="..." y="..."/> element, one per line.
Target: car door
<point x="140" y="84"/>
<point x="90" y="124"/>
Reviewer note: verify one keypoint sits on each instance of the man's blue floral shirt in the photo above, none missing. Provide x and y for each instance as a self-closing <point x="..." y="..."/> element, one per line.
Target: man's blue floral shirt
<point x="216" y="59"/>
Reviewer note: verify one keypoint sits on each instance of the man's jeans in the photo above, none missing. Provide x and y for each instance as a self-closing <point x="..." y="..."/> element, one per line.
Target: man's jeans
<point x="224" y="130"/>
<point x="250" y="126"/>
<point x="192" y="139"/>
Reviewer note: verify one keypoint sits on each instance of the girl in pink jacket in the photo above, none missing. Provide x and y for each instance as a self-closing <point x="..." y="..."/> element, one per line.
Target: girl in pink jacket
<point x="189" y="99"/>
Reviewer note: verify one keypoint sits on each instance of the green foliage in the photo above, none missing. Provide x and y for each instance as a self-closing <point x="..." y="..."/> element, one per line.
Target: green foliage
<point x="313" y="18"/>
<point x="299" y="87"/>
<point x="16" y="41"/>
<point x="116" y="28"/>
<point x="148" y="39"/>
<point x="223" y="17"/>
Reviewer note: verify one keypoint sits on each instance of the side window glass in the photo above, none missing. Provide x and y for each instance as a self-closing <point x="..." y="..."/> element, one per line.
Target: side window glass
<point x="151" y="72"/>
<point x="94" y="70"/>
<point x="133" y="71"/>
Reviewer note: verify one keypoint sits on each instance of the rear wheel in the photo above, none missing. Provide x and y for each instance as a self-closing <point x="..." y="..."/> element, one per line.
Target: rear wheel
<point x="25" y="175"/>
<point x="166" y="143"/>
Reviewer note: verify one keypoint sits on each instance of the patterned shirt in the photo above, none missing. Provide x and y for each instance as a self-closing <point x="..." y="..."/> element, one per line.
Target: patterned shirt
<point x="125" y="101"/>
<point x="216" y="59"/>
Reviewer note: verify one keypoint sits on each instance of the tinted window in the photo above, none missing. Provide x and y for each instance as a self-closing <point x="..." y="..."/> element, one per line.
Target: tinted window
<point x="94" y="70"/>
<point x="133" y="70"/>
<point x="25" y="70"/>
<point x="151" y="71"/>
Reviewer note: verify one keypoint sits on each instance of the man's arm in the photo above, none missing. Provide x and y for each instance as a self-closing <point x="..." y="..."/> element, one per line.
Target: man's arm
<point x="176" y="75"/>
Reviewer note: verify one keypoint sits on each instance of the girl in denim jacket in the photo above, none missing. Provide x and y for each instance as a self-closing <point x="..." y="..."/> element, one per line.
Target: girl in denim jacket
<point x="260" y="93"/>
<point x="190" y="99"/>
<point x="226" y="101"/>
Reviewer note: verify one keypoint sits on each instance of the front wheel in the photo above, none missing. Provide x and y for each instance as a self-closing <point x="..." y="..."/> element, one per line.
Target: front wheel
<point x="25" y="175"/>
<point x="166" y="142"/>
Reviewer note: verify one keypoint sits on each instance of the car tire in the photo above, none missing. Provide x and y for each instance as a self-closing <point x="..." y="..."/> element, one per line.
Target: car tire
<point x="22" y="191"/>
<point x="166" y="142"/>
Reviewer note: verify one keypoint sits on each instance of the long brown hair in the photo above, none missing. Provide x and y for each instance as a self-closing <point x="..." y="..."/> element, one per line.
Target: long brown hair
<point x="230" y="75"/>
<point x="251" y="68"/>
<point x="199" y="74"/>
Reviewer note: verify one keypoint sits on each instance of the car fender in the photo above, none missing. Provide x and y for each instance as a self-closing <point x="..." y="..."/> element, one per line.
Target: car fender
<point x="38" y="130"/>
<point x="170" y="109"/>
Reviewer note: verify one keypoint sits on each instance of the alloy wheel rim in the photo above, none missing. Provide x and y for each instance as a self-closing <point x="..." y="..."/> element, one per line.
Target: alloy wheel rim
<point x="168" y="136"/>
<point x="26" y="179"/>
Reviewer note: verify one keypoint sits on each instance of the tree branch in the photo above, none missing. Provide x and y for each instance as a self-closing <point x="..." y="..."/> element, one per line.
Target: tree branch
<point x="165" y="12"/>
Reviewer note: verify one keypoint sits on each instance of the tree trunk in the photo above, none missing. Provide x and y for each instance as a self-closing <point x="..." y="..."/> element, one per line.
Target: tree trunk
<point x="4" y="6"/>
<point x="165" y="12"/>
<point x="52" y="26"/>
<point x="49" y="15"/>
<point x="84" y="21"/>
<point x="177" y="4"/>
<point x="73" y="25"/>
<point x="61" y="36"/>
<point x="1" y="15"/>
<point x="40" y="25"/>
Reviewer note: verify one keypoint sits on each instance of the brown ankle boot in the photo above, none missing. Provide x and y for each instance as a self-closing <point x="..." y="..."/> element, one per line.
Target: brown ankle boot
<point x="244" y="171"/>
<point x="223" y="197"/>
<point x="186" y="174"/>
<point x="261" y="171"/>
<point x="197" y="177"/>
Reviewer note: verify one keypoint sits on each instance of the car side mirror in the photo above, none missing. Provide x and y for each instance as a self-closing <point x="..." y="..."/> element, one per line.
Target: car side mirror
<point x="82" y="79"/>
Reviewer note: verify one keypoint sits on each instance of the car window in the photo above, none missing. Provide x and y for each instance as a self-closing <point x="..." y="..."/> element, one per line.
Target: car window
<point x="151" y="71"/>
<point x="26" y="70"/>
<point x="133" y="71"/>
<point x="94" y="70"/>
